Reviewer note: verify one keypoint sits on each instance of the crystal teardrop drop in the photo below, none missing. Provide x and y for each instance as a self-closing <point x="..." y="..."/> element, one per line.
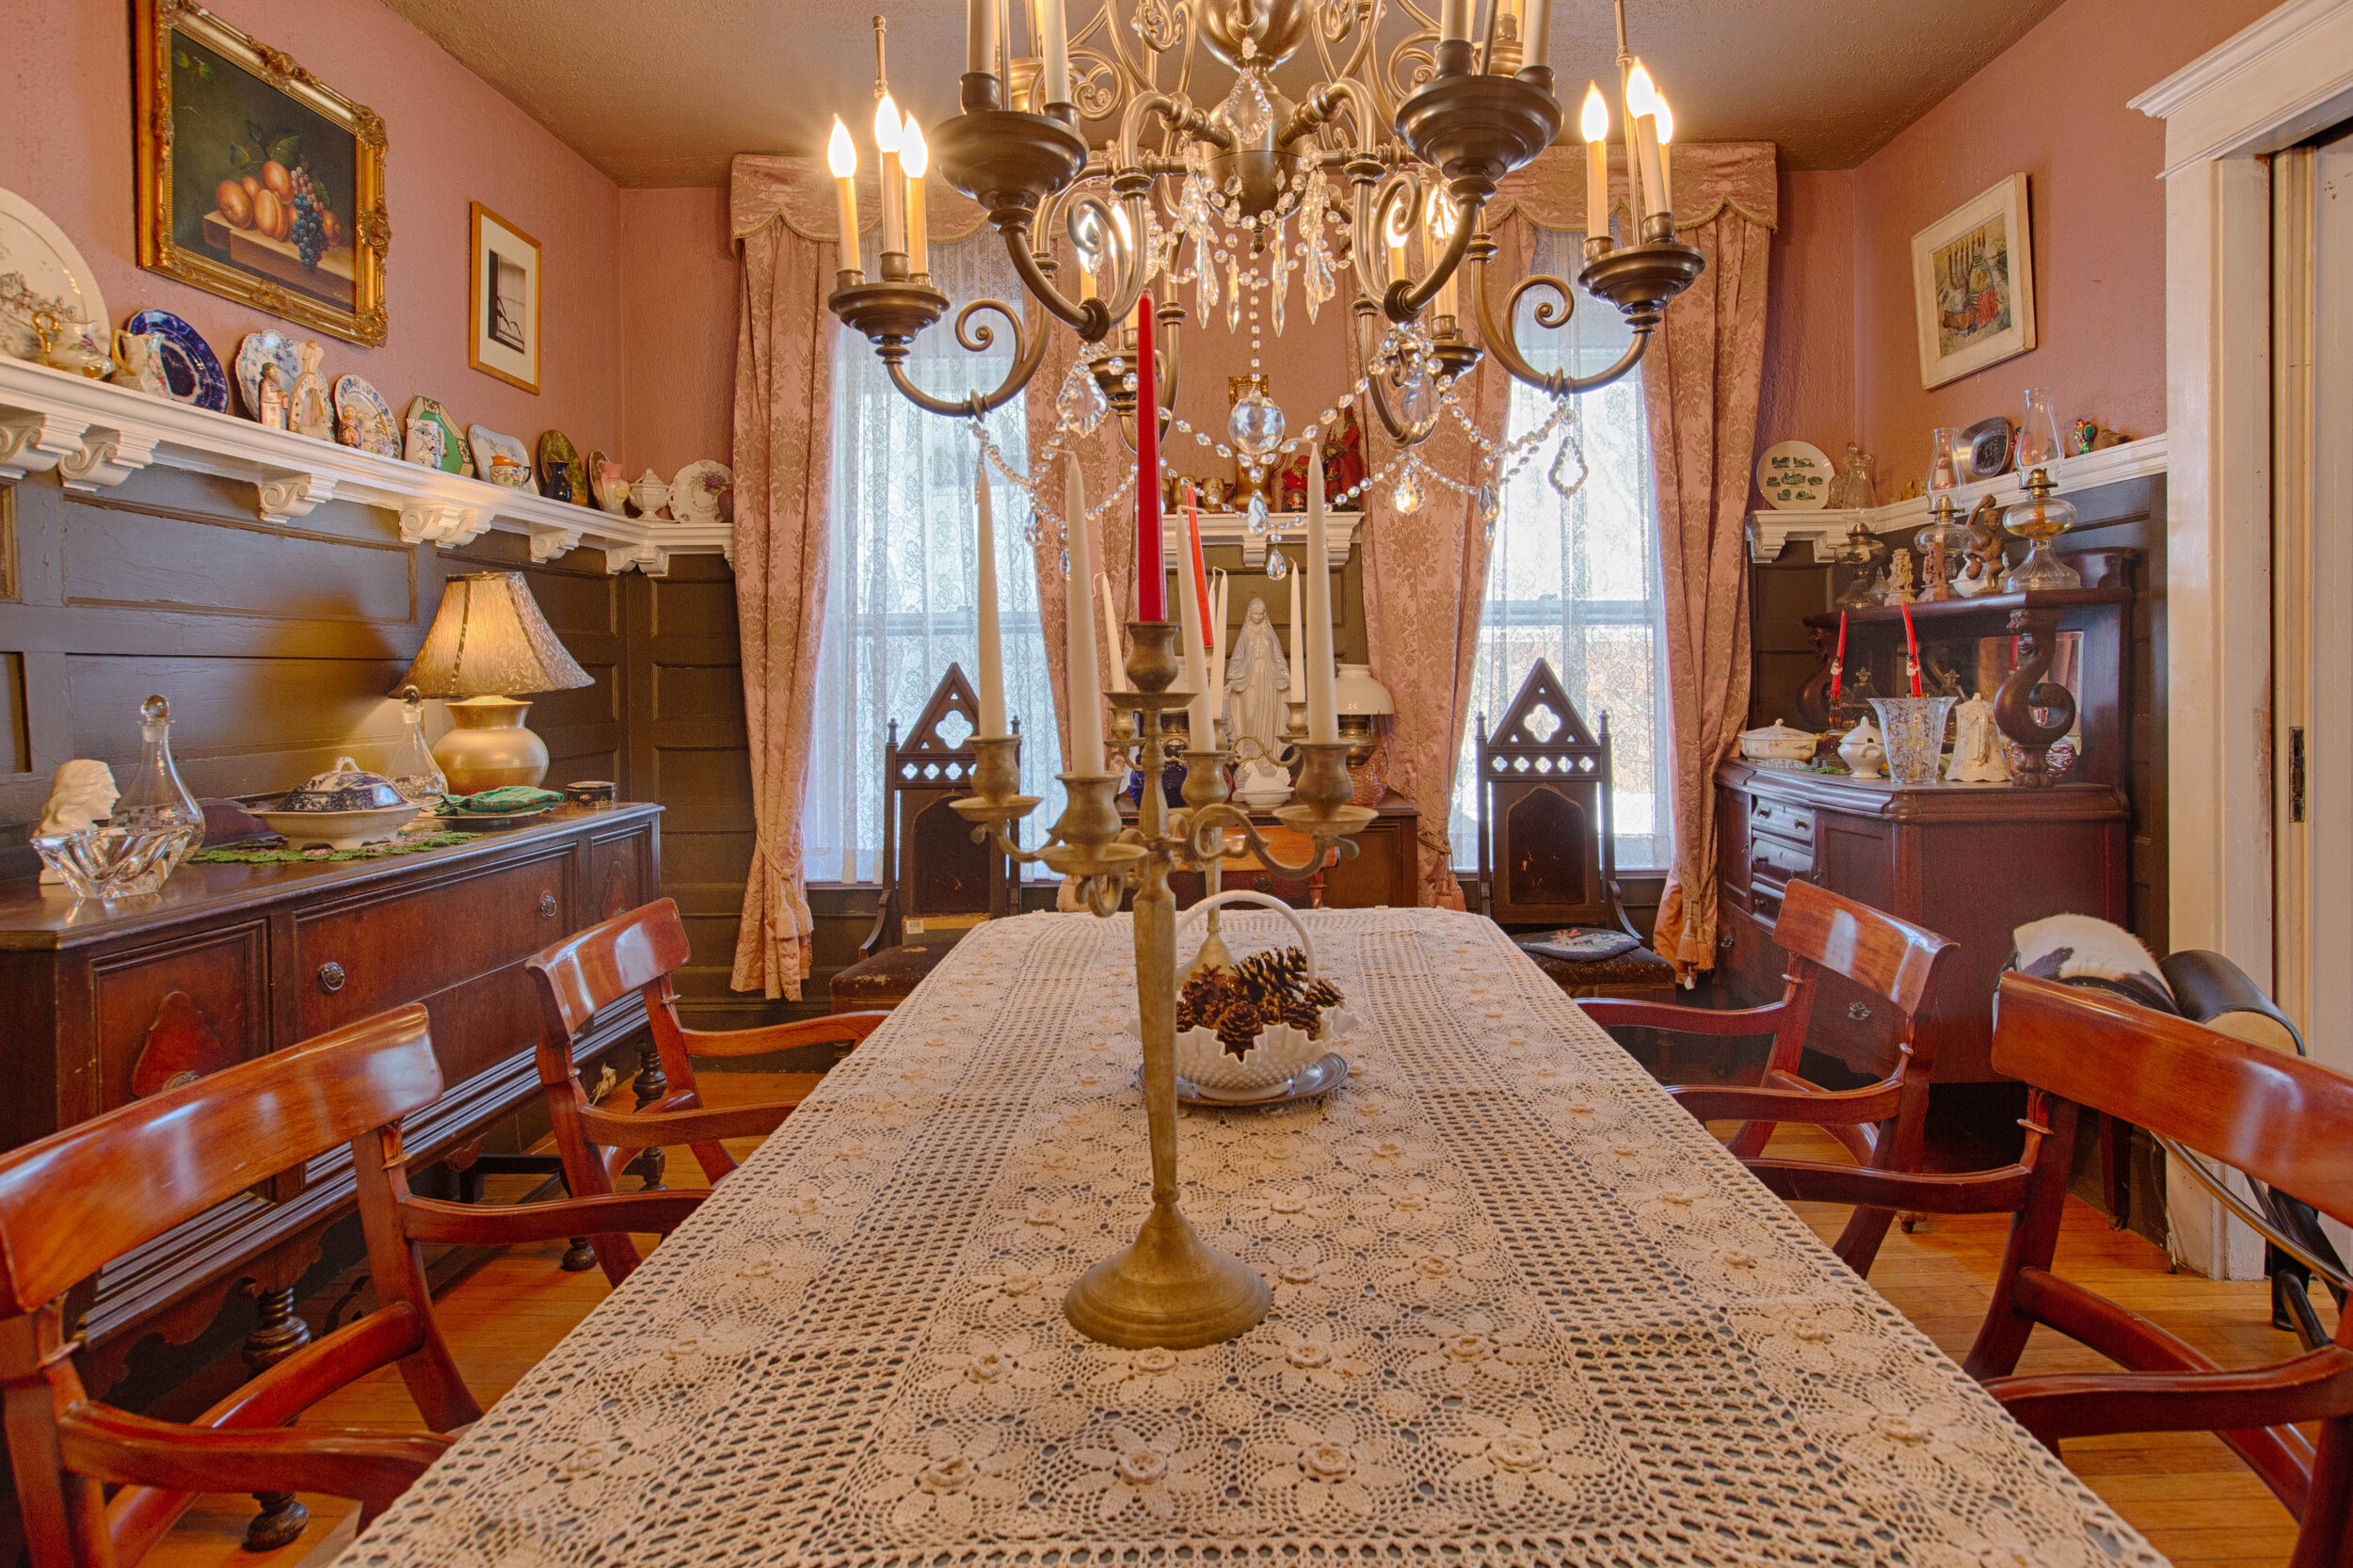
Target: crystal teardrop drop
<point x="1278" y="564"/>
<point x="1406" y="497"/>
<point x="1257" y="514"/>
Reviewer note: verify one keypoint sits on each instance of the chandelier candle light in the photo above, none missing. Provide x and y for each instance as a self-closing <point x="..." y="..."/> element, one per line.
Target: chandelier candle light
<point x="1373" y="184"/>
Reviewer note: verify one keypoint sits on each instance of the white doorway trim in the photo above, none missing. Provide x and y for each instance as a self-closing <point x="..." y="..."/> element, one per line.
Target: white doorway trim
<point x="2269" y="87"/>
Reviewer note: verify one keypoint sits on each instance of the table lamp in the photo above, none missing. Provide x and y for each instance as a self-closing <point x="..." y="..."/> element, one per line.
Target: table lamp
<point x="488" y="644"/>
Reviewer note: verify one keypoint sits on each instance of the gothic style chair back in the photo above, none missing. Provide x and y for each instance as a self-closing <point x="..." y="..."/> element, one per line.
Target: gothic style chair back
<point x="935" y="877"/>
<point x="74" y="1201"/>
<point x="636" y="953"/>
<point x="1881" y="1125"/>
<point x="1547" y="846"/>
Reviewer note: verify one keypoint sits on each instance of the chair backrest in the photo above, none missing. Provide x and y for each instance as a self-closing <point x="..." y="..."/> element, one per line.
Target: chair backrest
<point x="1547" y="852"/>
<point x="591" y="969"/>
<point x="1874" y="950"/>
<point x="2284" y="1121"/>
<point x="82" y="1197"/>
<point x="929" y="859"/>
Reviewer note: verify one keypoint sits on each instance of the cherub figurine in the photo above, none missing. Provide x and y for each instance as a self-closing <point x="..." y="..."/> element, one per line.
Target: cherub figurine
<point x="1983" y="568"/>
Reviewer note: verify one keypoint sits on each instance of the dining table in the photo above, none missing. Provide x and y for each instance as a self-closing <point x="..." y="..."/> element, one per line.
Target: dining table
<point x="1526" y="1311"/>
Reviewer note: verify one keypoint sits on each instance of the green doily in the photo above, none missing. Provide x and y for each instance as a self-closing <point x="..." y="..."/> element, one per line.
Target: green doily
<point x="367" y="851"/>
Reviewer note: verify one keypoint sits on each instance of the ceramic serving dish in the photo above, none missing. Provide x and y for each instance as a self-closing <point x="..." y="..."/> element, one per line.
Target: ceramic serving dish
<point x="1267" y="1068"/>
<point x="1777" y="742"/>
<point x="192" y="371"/>
<point x="342" y="809"/>
<point x="268" y="346"/>
<point x="363" y="419"/>
<point x="501" y="460"/>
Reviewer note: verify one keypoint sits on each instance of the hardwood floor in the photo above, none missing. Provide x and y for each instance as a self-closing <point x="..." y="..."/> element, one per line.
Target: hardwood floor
<point x="2186" y="1492"/>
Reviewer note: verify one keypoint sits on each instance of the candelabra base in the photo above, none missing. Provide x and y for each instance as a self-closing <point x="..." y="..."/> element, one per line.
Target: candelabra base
<point x="1167" y="1288"/>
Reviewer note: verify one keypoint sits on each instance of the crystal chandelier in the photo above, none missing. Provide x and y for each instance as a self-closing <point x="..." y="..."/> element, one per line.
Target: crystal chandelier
<point x="1375" y="182"/>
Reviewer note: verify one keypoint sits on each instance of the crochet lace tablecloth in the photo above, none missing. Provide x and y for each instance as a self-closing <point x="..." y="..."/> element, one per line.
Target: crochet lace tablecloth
<point x="1526" y="1311"/>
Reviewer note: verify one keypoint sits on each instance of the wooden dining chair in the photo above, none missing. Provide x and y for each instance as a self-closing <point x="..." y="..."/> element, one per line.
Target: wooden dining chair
<point x="585" y="973"/>
<point x="77" y="1199"/>
<point x="1881" y="1124"/>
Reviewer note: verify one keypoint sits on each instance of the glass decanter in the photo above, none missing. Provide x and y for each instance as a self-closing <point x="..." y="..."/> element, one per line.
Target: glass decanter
<point x="2037" y="444"/>
<point x="161" y="819"/>
<point x="412" y="770"/>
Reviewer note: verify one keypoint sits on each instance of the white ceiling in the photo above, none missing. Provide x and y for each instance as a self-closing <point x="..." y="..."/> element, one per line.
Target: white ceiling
<point x="663" y="94"/>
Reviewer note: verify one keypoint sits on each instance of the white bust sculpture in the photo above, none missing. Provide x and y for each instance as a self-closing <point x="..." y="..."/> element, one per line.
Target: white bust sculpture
<point x="82" y="793"/>
<point x="1977" y="747"/>
<point x="1258" y="683"/>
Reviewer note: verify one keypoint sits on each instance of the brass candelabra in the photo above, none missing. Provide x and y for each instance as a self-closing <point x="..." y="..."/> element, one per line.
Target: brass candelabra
<point x="1167" y="1287"/>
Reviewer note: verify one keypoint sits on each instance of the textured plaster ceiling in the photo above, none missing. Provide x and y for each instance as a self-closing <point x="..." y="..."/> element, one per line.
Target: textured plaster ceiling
<point x="664" y="93"/>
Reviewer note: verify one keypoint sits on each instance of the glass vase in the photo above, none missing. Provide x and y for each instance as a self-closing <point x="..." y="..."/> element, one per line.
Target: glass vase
<point x="413" y="772"/>
<point x="1912" y="729"/>
<point x="161" y="819"/>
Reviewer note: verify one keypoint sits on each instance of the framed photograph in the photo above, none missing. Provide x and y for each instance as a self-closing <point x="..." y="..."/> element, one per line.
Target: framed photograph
<point x="1972" y="284"/>
<point x="257" y="182"/>
<point x="502" y="300"/>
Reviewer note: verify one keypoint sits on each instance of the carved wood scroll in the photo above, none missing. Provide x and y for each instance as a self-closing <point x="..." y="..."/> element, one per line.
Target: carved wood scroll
<point x="182" y="1047"/>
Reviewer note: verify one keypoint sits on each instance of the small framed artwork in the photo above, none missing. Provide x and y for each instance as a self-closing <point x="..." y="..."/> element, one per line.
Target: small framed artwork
<point x="502" y="300"/>
<point x="1972" y="284"/>
<point x="257" y="182"/>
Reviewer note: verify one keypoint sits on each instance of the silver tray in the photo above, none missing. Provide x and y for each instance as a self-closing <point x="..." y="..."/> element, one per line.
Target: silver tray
<point x="1321" y="1077"/>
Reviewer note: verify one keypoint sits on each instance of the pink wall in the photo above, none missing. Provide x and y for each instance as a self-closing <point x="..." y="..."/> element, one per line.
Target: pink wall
<point x="66" y="146"/>
<point x="1809" y="391"/>
<point x="677" y="272"/>
<point x="1843" y="358"/>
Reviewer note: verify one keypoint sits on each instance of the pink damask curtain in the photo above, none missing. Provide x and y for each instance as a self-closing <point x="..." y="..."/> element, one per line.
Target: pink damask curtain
<point x="782" y="213"/>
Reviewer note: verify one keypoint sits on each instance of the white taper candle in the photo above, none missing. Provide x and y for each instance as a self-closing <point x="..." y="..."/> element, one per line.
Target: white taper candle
<point x="1085" y="683"/>
<point x="992" y="651"/>
<point x="1323" y="714"/>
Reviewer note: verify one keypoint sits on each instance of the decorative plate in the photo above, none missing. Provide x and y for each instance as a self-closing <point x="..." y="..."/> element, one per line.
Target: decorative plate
<point x="1986" y="444"/>
<point x="562" y="476"/>
<point x="491" y="822"/>
<point x="363" y="419"/>
<point x="1794" y="477"/>
<point x="449" y="454"/>
<point x="266" y="346"/>
<point x="190" y="366"/>
<point x="501" y="460"/>
<point x="41" y="270"/>
<point x="702" y="491"/>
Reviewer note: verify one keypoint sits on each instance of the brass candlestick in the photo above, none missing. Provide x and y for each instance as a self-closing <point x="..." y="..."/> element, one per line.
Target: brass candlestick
<point x="1167" y="1287"/>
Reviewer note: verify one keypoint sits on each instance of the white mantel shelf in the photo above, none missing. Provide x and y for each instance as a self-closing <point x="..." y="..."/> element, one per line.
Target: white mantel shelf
<point x="1768" y="532"/>
<point x="1233" y="528"/>
<point x="96" y="435"/>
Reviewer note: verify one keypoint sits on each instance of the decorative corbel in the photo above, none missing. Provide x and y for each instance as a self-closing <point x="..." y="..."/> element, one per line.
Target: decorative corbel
<point x="106" y="458"/>
<point x="36" y="440"/>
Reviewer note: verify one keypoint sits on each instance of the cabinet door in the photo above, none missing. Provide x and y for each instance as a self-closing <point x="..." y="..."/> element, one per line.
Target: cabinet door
<point x="178" y="1009"/>
<point x="618" y="875"/>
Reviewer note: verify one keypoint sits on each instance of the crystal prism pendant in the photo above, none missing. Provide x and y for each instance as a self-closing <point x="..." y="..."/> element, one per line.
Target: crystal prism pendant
<point x="1278" y="565"/>
<point x="1568" y="487"/>
<point x="1489" y="509"/>
<point x="1256" y="423"/>
<point x="1257" y="514"/>
<point x="1406" y="497"/>
<point x="1079" y="404"/>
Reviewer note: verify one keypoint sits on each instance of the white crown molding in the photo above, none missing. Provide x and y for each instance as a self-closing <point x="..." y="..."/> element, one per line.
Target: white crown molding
<point x="96" y="435"/>
<point x="2261" y="89"/>
<point x="1769" y="532"/>
<point x="1233" y="528"/>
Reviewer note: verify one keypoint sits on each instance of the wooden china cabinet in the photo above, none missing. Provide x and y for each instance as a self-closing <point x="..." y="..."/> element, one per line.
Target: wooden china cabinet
<point x="1971" y="862"/>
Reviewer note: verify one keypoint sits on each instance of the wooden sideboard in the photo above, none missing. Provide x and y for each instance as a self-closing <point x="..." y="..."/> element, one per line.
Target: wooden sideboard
<point x="1379" y="873"/>
<point x="1972" y="862"/>
<point x="231" y="961"/>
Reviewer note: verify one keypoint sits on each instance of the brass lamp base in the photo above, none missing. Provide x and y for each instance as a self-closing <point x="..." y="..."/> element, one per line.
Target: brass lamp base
<point x="487" y="747"/>
<point x="1167" y="1288"/>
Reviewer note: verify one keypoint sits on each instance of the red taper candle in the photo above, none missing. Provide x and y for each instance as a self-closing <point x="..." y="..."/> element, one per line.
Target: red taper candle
<point x="1838" y="660"/>
<point x="1200" y="567"/>
<point x="1151" y="568"/>
<point x="1912" y="651"/>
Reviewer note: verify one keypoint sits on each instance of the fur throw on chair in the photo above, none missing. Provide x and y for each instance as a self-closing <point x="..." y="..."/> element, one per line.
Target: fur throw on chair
<point x="2082" y="951"/>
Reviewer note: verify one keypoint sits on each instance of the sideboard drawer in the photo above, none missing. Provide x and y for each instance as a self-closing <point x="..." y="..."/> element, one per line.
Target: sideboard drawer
<point x="359" y="958"/>
<point x="1781" y="819"/>
<point x="1774" y="861"/>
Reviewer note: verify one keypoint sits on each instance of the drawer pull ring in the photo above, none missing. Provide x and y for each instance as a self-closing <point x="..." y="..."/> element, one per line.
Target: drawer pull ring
<point x="547" y="905"/>
<point x="331" y="976"/>
<point x="1859" y="1013"/>
<point x="1723" y="942"/>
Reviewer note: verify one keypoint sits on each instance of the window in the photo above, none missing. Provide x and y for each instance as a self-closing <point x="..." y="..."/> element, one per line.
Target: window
<point x="1576" y="581"/>
<point x="901" y="605"/>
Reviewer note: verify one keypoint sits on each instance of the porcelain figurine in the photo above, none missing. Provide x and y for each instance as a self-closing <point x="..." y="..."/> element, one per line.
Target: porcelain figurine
<point x="1978" y="748"/>
<point x="81" y="793"/>
<point x="1898" y="590"/>
<point x="1257" y="684"/>
<point x="270" y="407"/>
<point x="650" y="494"/>
<point x="1863" y="752"/>
<point x="139" y="363"/>
<point x="309" y="409"/>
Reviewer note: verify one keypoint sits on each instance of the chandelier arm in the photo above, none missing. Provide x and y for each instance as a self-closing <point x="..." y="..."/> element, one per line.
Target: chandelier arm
<point x="1406" y="300"/>
<point x="1505" y="348"/>
<point x="1375" y="195"/>
<point x="1089" y="317"/>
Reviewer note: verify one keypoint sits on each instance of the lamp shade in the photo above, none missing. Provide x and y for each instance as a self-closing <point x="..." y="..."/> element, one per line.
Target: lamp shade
<point x="489" y="639"/>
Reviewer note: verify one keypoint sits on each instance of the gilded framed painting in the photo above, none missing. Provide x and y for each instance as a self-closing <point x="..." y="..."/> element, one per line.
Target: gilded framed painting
<point x="502" y="300"/>
<point x="257" y="182"/>
<point x="1972" y="284"/>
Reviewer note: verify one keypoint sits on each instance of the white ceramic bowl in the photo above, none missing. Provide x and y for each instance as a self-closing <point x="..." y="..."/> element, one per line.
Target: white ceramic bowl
<point x="1263" y="1071"/>
<point x="338" y="830"/>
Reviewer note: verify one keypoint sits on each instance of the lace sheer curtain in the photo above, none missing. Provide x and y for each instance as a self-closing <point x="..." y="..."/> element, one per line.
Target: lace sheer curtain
<point x="1576" y="581"/>
<point x="902" y="607"/>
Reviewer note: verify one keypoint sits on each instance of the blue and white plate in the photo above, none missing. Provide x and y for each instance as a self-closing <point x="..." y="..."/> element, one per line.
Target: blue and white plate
<point x="363" y="419"/>
<point x="190" y="366"/>
<point x="266" y="346"/>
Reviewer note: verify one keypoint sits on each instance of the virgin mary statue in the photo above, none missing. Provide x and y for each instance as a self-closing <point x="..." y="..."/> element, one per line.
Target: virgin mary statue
<point x="1258" y="681"/>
